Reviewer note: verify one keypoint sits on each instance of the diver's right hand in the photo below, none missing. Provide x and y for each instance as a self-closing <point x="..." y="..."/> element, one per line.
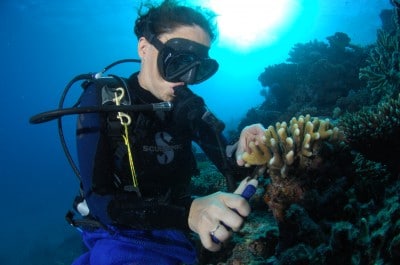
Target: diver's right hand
<point x="218" y="214"/>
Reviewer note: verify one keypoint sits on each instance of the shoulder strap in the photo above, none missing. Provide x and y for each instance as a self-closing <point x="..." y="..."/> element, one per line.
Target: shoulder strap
<point x="108" y="86"/>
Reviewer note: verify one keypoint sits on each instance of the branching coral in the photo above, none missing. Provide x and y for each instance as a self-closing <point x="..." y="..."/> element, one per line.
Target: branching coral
<point x="383" y="71"/>
<point x="284" y="144"/>
<point x="290" y="151"/>
<point x="376" y="132"/>
<point x="372" y="123"/>
<point x="372" y="179"/>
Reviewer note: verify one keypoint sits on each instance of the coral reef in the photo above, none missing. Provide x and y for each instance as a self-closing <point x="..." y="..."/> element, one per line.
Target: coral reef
<point x="332" y="186"/>
<point x="208" y="180"/>
<point x="315" y="77"/>
<point x="354" y="101"/>
<point x="375" y="132"/>
<point x="383" y="70"/>
<point x="372" y="178"/>
<point x="330" y="225"/>
<point x="291" y="152"/>
<point x="328" y="205"/>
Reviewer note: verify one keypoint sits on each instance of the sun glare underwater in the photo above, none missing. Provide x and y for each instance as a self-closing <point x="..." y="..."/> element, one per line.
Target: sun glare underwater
<point x="244" y="25"/>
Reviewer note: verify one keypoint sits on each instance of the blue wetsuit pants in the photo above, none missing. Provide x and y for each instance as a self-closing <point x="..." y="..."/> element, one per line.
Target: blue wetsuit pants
<point x="136" y="247"/>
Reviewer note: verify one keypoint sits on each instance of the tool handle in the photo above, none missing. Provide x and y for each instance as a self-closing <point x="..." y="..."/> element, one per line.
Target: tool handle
<point x="248" y="192"/>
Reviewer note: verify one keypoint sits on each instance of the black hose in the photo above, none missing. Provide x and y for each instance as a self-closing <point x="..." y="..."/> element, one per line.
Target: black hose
<point x="58" y="113"/>
<point x="54" y="114"/>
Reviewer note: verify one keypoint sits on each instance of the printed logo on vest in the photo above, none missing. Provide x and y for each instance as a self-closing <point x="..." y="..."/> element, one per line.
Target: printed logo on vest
<point x="167" y="151"/>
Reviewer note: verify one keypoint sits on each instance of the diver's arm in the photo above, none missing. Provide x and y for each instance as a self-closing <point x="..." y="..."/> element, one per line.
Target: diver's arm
<point x="216" y="147"/>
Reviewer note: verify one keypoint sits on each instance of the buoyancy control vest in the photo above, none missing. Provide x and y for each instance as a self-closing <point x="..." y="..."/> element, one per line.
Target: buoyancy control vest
<point x="162" y="154"/>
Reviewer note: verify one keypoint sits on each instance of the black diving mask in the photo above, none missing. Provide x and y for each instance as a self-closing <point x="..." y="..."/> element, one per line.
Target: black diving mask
<point x="183" y="60"/>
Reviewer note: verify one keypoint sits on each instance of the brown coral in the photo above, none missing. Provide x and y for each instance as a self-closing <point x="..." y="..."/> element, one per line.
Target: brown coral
<point x="288" y="153"/>
<point x="281" y="194"/>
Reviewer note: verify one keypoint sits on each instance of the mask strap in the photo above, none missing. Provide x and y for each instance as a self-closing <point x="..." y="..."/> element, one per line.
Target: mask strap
<point x="155" y="42"/>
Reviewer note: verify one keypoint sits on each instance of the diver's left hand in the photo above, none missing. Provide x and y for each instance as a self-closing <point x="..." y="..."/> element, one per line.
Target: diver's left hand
<point x="252" y="133"/>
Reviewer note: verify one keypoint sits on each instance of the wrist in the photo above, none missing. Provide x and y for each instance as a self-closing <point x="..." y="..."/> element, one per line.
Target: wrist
<point x="191" y="218"/>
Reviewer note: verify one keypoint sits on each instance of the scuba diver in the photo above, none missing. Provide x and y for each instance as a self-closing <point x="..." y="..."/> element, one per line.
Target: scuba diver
<point x="136" y="164"/>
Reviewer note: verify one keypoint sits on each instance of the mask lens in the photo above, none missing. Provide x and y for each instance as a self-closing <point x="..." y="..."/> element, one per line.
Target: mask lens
<point x="177" y="65"/>
<point x="206" y="69"/>
<point x="182" y="60"/>
<point x="189" y="69"/>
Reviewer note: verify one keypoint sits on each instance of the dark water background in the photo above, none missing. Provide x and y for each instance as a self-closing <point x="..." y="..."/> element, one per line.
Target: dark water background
<point x="45" y="43"/>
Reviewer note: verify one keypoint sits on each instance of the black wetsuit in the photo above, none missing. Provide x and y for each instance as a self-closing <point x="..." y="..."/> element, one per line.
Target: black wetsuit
<point x="161" y="143"/>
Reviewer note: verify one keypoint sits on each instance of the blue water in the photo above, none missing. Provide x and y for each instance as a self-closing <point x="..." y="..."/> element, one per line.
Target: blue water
<point x="45" y="43"/>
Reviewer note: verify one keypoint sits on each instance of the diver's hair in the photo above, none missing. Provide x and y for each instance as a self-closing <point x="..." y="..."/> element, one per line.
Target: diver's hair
<point x="169" y="15"/>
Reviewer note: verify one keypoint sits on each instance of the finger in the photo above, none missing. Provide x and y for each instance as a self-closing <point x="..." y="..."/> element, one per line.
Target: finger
<point x="207" y="242"/>
<point x="259" y="134"/>
<point x="221" y="234"/>
<point x="259" y="128"/>
<point x="238" y="207"/>
<point x="230" y="214"/>
<point x="242" y="186"/>
<point x="240" y="150"/>
<point x="247" y="135"/>
<point x="239" y="158"/>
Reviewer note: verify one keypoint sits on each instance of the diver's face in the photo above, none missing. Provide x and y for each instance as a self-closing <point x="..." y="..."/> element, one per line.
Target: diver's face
<point x="149" y="76"/>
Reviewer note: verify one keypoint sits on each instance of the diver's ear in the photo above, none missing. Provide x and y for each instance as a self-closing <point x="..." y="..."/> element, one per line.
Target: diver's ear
<point x="142" y="47"/>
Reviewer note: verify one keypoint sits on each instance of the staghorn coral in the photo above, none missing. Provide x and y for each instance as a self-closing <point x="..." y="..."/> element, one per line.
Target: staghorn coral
<point x="375" y="132"/>
<point x="383" y="71"/>
<point x="372" y="177"/>
<point x="290" y="153"/>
